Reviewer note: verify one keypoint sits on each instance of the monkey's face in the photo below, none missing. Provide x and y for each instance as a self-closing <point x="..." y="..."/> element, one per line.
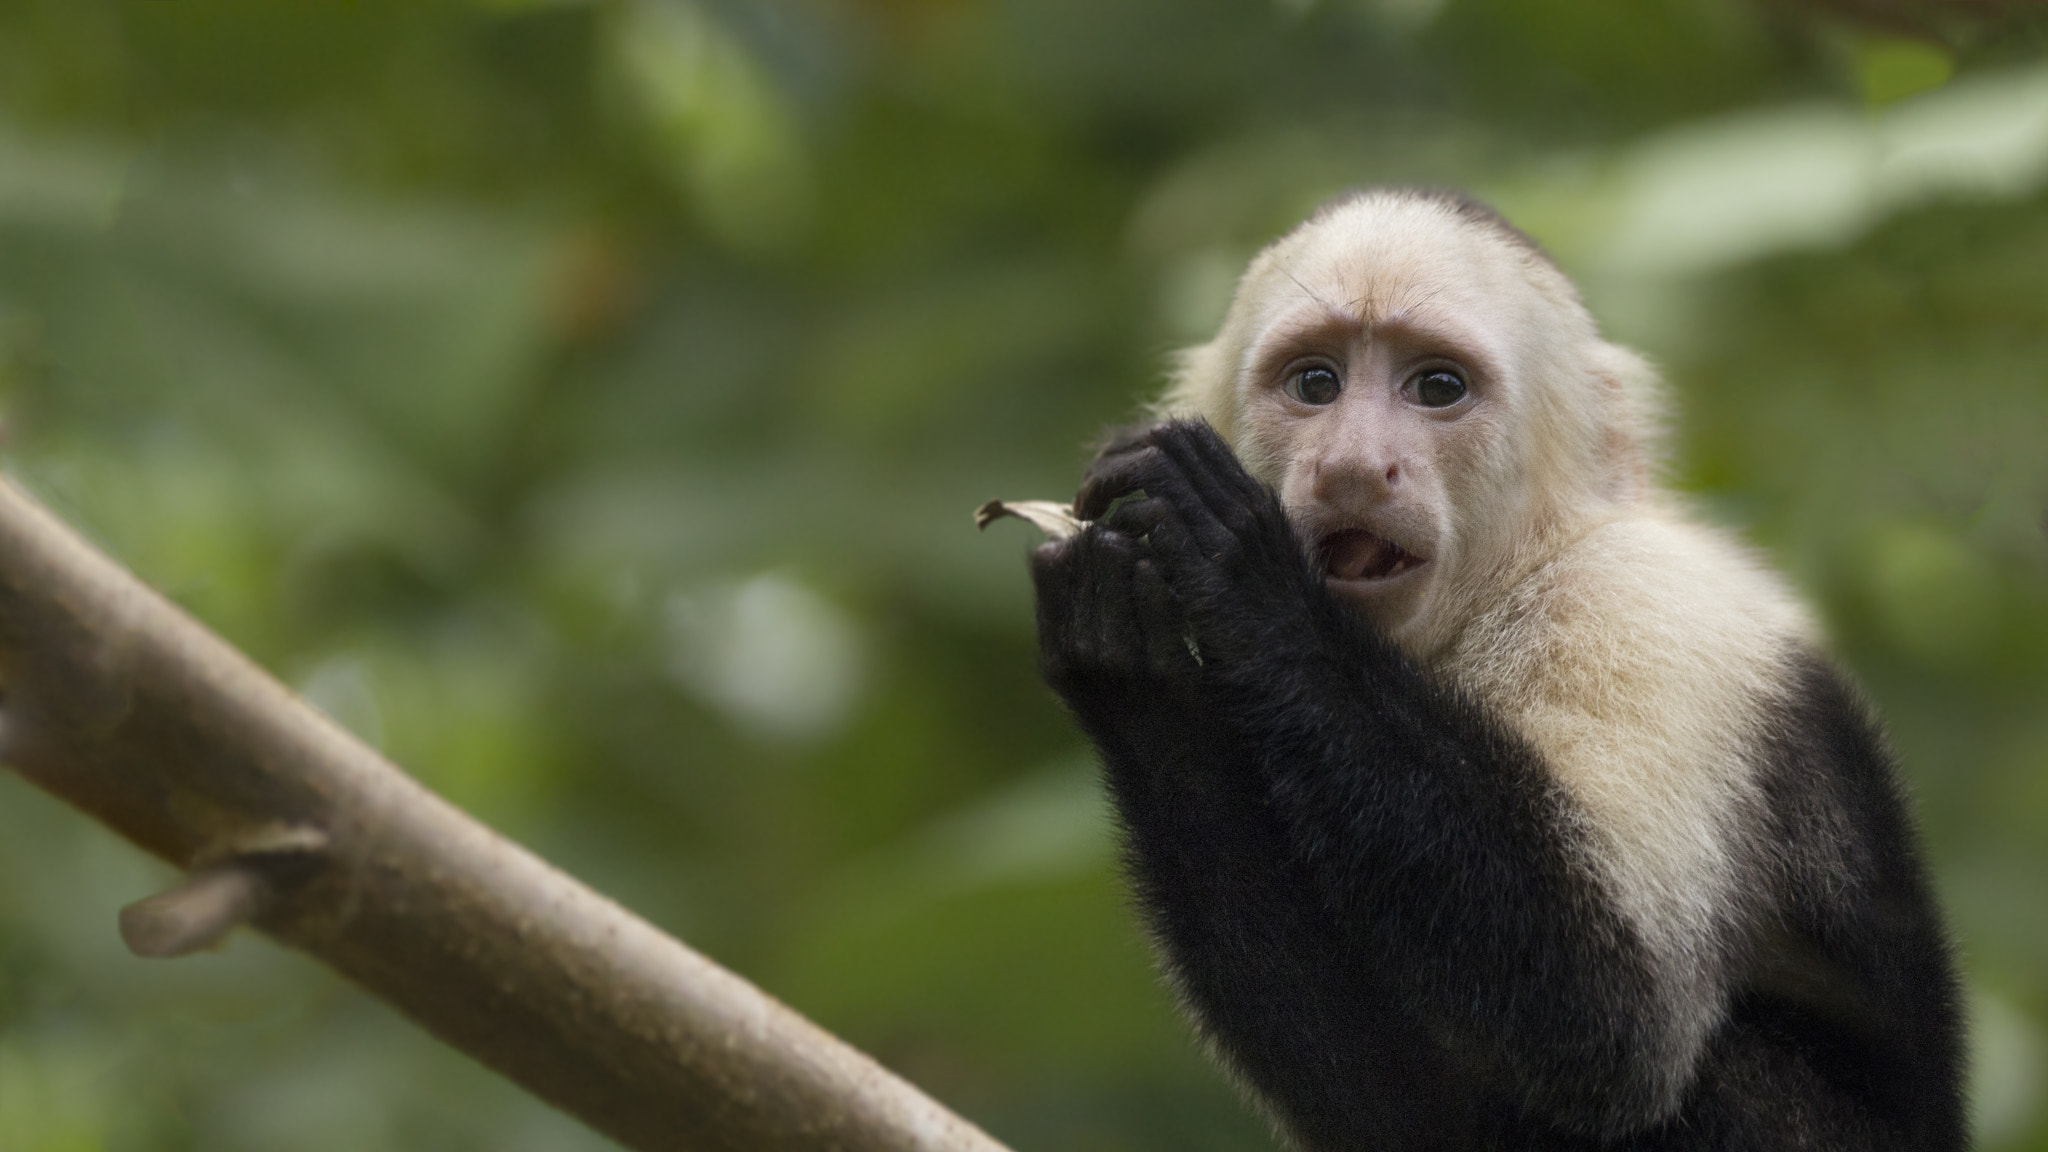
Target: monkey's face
<point x="1389" y="383"/>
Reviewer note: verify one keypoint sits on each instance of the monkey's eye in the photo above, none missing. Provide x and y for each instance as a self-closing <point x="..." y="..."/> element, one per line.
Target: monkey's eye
<point x="1439" y="388"/>
<point x="1315" y="384"/>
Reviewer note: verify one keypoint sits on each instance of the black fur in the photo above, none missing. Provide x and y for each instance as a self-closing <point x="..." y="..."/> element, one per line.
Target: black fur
<point x="1368" y="892"/>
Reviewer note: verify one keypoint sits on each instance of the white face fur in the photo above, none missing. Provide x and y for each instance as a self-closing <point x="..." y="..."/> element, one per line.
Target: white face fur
<point x="1429" y="398"/>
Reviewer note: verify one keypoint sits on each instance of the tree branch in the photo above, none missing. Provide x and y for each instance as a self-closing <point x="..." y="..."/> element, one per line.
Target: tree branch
<point x="122" y="705"/>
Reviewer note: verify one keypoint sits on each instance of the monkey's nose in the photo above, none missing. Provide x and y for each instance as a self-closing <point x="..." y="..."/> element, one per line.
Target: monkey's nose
<point x="1351" y="480"/>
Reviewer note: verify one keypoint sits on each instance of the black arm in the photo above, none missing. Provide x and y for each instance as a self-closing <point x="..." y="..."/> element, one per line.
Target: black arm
<point x="1252" y="946"/>
<point x="1351" y="867"/>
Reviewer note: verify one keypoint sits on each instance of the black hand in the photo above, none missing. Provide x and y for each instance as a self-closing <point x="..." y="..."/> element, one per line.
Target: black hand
<point x="1109" y="632"/>
<point x="1113" y="643"/>
<point x="1220" y="538"/>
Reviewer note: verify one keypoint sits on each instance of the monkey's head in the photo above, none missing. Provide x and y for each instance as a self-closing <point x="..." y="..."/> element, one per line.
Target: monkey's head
<point x="1433" y="403"/>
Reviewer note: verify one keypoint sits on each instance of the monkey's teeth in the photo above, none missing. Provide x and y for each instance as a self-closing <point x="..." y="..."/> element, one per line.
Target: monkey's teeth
<point x="1349" y="554"/>
<point x="1356" y="554"/>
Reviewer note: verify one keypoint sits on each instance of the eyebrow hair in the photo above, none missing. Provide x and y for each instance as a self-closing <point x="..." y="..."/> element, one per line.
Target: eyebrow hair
<point x="1292" y="341"/>
<point x="1286" y="342"/>
<point x="1408" y="324"/>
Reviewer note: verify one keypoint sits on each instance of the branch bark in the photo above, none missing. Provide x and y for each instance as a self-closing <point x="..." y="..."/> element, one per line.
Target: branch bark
<point x="120" y="704"/>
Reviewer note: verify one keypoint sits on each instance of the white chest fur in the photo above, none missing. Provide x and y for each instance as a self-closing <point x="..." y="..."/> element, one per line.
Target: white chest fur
<point x="1641" y="661"/>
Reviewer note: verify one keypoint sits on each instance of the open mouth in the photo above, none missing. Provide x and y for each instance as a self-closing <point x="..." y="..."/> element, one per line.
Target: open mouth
<point x="1356" y="554"/>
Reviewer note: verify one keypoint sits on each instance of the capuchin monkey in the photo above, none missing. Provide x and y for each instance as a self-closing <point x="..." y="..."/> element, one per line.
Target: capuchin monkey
<point x="1477" y="795"/>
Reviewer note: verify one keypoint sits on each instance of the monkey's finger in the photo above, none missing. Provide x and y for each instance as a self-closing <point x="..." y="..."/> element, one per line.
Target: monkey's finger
<point x="1128" y="438"/>
<point x="1086" y="614"/>
<point x="1166" y="644"/>
<point x="1055" y="579"/>
<point x="1109" y="478"/>
<point x="1108" y="628"/>
<point x="1120" y="444"/>
<point x="1147" y="515"/>
<point x="1160" y="476"/>
<point x="1220" y="460"/>
<point x="1209" y="463"/>
<point x="1112" y="478"/>
<point x="1233" y="510"/>
<point x="1050" y="562"/>
<point x="1136" y="516"/>
<point x="1180" y="553"/>
<point x="1168" y="497"/>
<point x="1175" y="443"/>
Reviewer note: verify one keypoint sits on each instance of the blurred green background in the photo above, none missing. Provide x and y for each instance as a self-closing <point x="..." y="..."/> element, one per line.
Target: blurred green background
<point x="584" y="402"/>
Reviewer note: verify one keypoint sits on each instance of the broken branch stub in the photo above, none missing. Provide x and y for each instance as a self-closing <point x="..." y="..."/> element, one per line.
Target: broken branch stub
<point x="125" y="707"/>
<point x="220" y="896"/>
<point x="196" y="914"/>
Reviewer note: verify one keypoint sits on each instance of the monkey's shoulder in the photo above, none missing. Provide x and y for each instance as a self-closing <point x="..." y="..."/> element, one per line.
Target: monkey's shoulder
<point x="1648" y="662"/>
<point x="1645" y="614"/>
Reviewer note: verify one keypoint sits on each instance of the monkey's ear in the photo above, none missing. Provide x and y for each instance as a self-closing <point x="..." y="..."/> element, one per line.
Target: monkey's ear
<point x="1634" y="428"/>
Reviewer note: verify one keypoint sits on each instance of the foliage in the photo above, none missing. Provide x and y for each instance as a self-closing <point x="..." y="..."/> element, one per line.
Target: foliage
<point x="585" y="401"/>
